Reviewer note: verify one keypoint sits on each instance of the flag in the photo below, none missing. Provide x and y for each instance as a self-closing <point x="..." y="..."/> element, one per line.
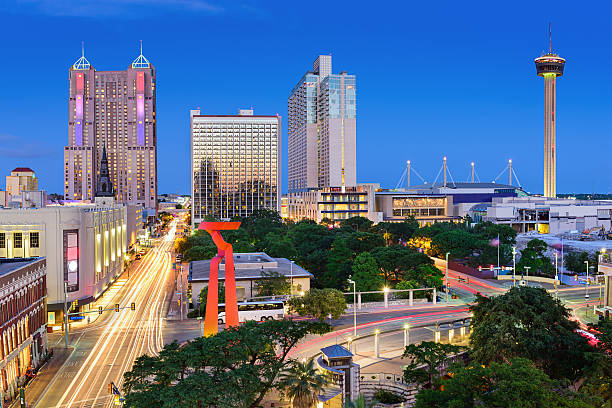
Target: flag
<point x="494" y="242"/>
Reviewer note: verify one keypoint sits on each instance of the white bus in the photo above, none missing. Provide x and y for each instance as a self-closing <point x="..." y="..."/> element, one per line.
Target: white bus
<point x="263" y="310"/>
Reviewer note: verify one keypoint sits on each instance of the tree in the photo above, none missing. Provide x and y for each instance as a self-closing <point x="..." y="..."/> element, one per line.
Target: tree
<point x="360" y="402"/>
<point x="203" y="297"/>
<point x="460" y="243"/>
<point x="272" y="283"/>
<point x="338" y="265"/>
<point x="360" y="242"/>
<point x="533" y="256"/>
<point x="235" y="368"/>
<point x="357" y="223"/>
<point x="320" y="303"/>
<point x="527" y="322"/>
<point x="400" y="231"/>
<point x="303" y="382"/>
<point x="426" y="359"/>
<point x="575" y="261"/>
<point x="199" y="253"/>
<point x="366" y="273"/>
<point x="367" y="276"/>
<point x="279" y="246"/>
<point x="312" y="242"/>
<point x="516" y="384"/>
<point x="260" y="223"/>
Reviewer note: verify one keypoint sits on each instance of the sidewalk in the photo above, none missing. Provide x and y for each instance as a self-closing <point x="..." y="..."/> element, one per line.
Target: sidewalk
<point x="37" y="387"/>
<point x="174" y="311"/>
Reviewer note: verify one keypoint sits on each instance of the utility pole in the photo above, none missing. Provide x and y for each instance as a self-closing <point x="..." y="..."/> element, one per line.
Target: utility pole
<point x="352" y="282"/>
<point x="66" y="314"/>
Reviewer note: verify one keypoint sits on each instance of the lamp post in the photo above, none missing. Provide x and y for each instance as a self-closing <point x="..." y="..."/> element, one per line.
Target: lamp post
<point x="376" y="343"/>
<point x="352" y="282"/>
<point x="527" y="276"/>
<point x="406" y="334"/>
<point x="386" y="293"/>
<point x="514" y="266"/>
<point x="556" y="276"/>
<point x="586" y="287"/>
<point x="446" y="277"/>
<point x="66" y="314"/>
<point x="291" y="273"/>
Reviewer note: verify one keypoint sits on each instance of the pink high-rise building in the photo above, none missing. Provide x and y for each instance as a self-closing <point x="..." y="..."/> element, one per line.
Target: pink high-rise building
<point x="116" y="110"/>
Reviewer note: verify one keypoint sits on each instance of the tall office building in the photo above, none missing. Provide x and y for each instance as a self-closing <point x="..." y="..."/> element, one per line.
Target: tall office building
<point x="235" y="164"/>
<point x="550" y="66"/>
<point x="116" y="110"/>
<point x="322" y="129"/>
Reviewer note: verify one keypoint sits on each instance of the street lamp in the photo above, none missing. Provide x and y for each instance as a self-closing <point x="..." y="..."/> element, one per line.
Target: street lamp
<point x="514" y="266"/>
<point x="291" y="269"/>
<point x="527" y="276"/>
<point x="446" y="277"/>
<point x="352" y="282"/>
<point x="586" y="287"/>
<point x="406" y="334"/>
<point x="386" y="294"/>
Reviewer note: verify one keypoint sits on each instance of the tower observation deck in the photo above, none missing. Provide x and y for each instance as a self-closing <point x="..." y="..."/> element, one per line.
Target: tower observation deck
<point x="550" y="66"/>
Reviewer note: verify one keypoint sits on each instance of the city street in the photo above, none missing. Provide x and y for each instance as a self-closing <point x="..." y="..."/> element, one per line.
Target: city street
<point x="107" y="348"/>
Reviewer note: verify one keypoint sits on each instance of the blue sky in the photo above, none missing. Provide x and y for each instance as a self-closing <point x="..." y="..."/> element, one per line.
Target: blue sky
<point x="433" y="79"/>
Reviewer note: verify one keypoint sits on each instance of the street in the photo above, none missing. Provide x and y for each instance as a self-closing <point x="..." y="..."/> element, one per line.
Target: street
<point x="106" y="349"/>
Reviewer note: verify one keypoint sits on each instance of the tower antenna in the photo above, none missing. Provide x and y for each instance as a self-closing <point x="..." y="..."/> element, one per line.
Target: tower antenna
<point x="550" y="38"/>
<point x="83" y="49"/>
<point x="140" y="47"/>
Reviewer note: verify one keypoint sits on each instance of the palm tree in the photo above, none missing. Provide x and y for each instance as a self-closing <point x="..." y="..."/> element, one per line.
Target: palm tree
<point x="360" y="402"/>
<point x="303" y="382"/>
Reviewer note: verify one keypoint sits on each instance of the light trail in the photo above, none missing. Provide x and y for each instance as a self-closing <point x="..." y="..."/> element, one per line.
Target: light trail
<point x="125" y="335"/>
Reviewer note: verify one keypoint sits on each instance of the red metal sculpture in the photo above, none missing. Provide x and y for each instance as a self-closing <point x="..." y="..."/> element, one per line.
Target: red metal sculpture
<point x="224" y="250"/>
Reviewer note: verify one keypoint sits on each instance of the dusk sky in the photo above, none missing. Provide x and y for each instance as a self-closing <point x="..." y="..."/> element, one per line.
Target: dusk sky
<point x="433" y="79"/>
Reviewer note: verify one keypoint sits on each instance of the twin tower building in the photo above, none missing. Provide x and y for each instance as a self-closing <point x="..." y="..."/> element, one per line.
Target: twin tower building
<point x="112" y="112"/>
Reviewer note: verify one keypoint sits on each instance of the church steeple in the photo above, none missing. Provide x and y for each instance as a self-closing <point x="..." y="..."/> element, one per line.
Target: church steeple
<point x="104" y="187"/>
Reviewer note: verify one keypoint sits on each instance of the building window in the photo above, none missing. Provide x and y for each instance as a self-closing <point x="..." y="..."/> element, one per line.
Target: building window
<point x="34" y="242"/>
<point x="17" y="240"/>
<point x="2" y="240"/>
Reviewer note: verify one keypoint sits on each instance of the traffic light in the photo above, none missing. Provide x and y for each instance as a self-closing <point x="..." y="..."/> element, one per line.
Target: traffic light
<point x="116" y="307"/>
<point x="179" y="302"/>
<point x="99" y="309"/>
<point x="480" y="268"/>
<point x="576" y="277"/>
<point x="110" y="388"/>
<point x="468" y="281"/>
<point x="133" y="306"/>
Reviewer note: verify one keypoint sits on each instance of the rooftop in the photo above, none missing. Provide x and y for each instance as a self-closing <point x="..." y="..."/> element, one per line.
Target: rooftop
<point x="248" y="266"/>
<point x="336" y="351"/>
<point x="22" y="169"/>
<point x="8" y="265"/>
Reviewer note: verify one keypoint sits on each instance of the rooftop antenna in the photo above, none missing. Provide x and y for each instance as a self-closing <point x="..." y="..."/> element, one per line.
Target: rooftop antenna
<point x="140" y="47"/>
<point x="83" y="49"/>
<point x="550" y="38"/>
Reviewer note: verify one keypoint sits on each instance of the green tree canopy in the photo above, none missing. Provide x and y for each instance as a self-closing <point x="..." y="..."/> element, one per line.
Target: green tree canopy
<point x="527" y="322"/>
<point x="516" y="384"/>
<point x="426" y="359"/>
<point x="366" y="273"/>
<point x="338" y="265"/>
<point x="237" y="367"/>
<point x="279" y="246"/>
<point x="320" y="303"/>
<point x="302" y="383"/>
<point x="273" y="283"/>
<point x="357" y="223"/>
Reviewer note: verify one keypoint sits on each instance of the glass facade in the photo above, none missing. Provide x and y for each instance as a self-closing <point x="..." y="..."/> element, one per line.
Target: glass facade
<point x="235" y="165"/>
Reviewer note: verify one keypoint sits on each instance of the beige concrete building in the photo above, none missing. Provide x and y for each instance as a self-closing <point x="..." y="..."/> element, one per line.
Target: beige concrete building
<point x="549" y="215"/>
<point x="83" y="244"/>
<point x="21" y="179"/>
<point x="605" y="269"/>
<point x="248" y="269"/>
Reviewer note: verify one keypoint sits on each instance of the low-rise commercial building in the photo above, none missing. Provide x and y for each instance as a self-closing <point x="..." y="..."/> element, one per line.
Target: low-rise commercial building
<point x="395" y="206"/>
<point x="83" y="245"/>
<point x="549" y="215"/>
<point x="249" y="269"/>
<point x="21" y="179"/>
<point x="23" y="322"/>
<point x="605" y="269"/>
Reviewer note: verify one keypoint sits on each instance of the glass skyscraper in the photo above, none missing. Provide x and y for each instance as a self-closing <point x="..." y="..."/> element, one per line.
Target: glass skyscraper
<point x="235" y="164"/>
<point x="322" y="129"/>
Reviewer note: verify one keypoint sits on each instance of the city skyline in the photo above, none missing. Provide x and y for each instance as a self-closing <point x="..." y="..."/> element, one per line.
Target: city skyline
<point x="429" y="109"/>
